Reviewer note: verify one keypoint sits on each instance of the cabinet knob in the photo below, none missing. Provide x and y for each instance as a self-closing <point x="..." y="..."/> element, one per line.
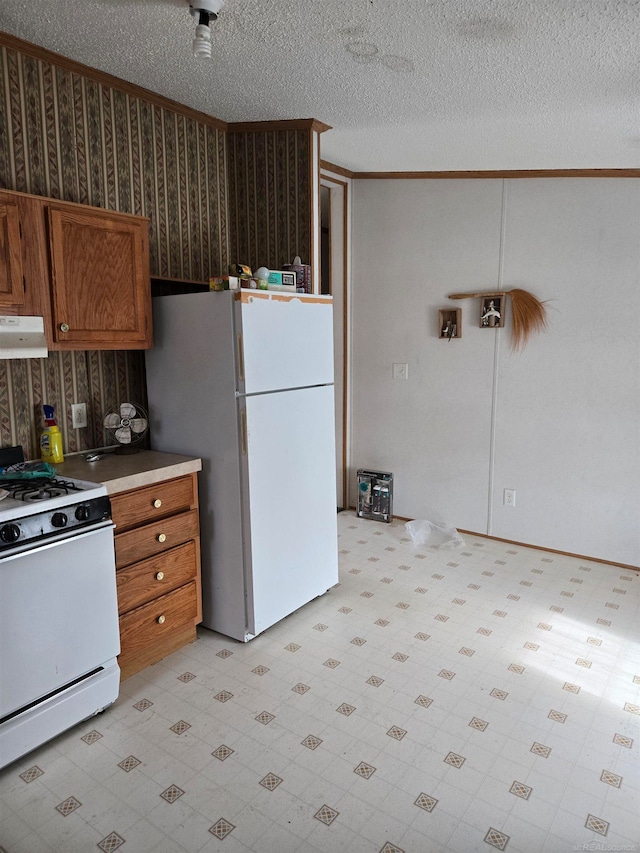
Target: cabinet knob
<point x="161" y="620"/>
<point x="64" y="327"/>
<point x="159" y="576"/>
<point x="157" y="503"/>
<point x="162" y="537"/>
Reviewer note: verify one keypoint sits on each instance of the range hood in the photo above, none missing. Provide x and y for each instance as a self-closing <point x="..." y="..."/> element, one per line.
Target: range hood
<point x="22" y="337"/>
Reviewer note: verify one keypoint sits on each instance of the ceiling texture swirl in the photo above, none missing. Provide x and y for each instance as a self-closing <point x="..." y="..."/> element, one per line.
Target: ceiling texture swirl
<point x="406" y="85"/>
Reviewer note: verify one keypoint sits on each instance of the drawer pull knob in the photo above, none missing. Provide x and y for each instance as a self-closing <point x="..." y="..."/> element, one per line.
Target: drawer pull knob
<point x="159" y="576"/>
<point x="157" y="503"/>
<point x="64" y="327"/>
<point x="161" y="620"/>
<point x="162" y="537"/>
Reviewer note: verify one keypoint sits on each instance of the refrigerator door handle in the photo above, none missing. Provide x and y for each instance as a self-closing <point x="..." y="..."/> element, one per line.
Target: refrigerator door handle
<point x="243" y="431"/>
<point x="240" y="357"/>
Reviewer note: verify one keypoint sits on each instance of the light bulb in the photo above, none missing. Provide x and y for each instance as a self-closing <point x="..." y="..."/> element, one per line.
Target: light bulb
<point x="202" y="42"/>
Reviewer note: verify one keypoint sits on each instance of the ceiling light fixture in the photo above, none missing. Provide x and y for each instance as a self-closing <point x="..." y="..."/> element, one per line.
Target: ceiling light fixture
<point x="205" y="11"/>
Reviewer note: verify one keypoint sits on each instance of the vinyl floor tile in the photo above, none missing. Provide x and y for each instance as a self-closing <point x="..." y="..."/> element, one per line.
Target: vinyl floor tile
<point x="452" y="701"/>
<point x="66" y="835"/>
<point x="31" y="842"/>
<point x="467" y="839"/>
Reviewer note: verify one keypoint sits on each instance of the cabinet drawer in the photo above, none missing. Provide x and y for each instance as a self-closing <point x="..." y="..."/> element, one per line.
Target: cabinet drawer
<point x="135" y="545"/>
<point x="151" y="630"/>
<point x="151" y="578"/>
<point x="130" y="509"/>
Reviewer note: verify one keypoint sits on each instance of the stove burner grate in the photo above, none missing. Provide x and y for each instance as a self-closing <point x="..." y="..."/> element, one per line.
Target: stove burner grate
<point x="40" y="489"/>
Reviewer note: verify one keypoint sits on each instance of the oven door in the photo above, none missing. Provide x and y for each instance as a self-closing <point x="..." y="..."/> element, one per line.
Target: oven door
<point x="58" y="616"/>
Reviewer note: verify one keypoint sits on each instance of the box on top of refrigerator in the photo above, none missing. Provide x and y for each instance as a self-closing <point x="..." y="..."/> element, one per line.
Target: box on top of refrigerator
<point x="281" y="277"/>
<point x="224" y="282"/>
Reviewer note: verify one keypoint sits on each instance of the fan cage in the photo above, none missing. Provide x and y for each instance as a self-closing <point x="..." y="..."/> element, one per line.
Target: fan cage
<point x="127" y="427"/>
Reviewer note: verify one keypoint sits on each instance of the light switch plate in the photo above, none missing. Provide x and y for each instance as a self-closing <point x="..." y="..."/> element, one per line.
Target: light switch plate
<point x="400" y="371"/>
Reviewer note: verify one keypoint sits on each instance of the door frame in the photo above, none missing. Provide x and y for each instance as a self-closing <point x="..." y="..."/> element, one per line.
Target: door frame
<point x="339" y="277"/>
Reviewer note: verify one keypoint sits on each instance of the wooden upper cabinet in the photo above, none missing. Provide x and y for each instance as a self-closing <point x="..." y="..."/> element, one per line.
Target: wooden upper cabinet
<point x="11" y="277"/>
<point x="83" y="269"/>
<point x="100" y="282"/>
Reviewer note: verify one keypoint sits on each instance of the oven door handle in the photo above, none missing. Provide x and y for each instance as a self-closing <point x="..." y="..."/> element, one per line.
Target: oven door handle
<point x="53" y="541"/>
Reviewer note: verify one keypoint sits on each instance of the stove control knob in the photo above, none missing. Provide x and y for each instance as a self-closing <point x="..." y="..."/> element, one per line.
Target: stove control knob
<point x="83" y="512"/>
<point x="59" y="519"/>
<point x="10" y="533"/>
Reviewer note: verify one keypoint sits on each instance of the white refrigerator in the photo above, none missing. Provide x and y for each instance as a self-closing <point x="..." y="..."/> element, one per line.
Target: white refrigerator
<point x="244" y="380"/>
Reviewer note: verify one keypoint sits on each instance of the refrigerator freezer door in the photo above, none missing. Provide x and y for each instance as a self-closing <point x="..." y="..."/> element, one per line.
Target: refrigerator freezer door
<point x="291" y="552"/>
<point x="284" y="342"/>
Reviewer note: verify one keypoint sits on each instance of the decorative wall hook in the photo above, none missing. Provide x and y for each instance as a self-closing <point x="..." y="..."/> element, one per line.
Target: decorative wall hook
<point x="529" y="313"/>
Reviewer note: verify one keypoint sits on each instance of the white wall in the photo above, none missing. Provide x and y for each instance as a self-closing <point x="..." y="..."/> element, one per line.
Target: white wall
<point x="558" y="422"/>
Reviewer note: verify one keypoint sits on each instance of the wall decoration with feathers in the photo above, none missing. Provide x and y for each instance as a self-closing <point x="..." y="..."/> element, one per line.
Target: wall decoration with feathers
<point x="529" y="313"/>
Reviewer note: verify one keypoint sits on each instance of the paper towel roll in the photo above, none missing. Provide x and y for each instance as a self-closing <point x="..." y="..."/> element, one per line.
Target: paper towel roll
<point x="303" y="276"/>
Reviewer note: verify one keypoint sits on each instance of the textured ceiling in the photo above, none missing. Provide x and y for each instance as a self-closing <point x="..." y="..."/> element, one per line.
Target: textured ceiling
<point x="406" y="85"/>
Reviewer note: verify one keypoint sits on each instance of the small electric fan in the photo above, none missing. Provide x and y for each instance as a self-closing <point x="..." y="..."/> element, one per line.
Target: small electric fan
<point x="128" y="427"/>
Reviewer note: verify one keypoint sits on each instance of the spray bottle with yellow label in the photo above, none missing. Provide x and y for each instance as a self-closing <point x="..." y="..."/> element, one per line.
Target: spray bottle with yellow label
<point x="51" y="439"/>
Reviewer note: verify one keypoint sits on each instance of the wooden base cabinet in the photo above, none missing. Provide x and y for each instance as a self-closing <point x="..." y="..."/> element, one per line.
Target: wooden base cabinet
<point x="157" y="570"/>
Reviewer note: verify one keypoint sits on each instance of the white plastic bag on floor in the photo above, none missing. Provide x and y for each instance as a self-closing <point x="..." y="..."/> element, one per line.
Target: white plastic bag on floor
<point x="433" y="534"/>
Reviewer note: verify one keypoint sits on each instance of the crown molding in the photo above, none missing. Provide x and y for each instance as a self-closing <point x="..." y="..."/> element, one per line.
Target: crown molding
<point x="338" y="170"/>
<point x="281" y="124"/>
<point x="500" y="173"/>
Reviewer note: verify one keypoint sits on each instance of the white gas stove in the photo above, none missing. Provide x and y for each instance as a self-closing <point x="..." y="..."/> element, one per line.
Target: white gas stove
<point x="59" y="636"/>
<point x="36" y="508"/>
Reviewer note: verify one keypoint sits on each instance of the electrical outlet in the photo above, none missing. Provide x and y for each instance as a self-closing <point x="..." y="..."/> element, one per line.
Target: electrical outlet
<point x="509" y="498"/>
<point x="400" y="371"/>
<point x="78" y="415"/>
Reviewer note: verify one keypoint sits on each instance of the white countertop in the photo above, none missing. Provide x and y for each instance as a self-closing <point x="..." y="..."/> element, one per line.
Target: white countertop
<point x="121" y="472"/>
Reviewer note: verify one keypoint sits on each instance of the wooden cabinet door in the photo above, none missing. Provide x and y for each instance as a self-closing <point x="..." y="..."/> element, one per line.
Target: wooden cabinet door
<point x="11" y="280"/>
<point x="101" y="294"/>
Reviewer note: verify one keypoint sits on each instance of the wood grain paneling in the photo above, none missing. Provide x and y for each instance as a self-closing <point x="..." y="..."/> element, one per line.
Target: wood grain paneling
<point x="269" y="194"/>
<point x="72" y="133"/>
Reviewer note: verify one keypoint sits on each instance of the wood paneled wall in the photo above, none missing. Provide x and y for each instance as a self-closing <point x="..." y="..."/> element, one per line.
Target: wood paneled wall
<point x="269" y="196"/>
<point x="66" y="135"/>
<point x="71" y="133"/>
